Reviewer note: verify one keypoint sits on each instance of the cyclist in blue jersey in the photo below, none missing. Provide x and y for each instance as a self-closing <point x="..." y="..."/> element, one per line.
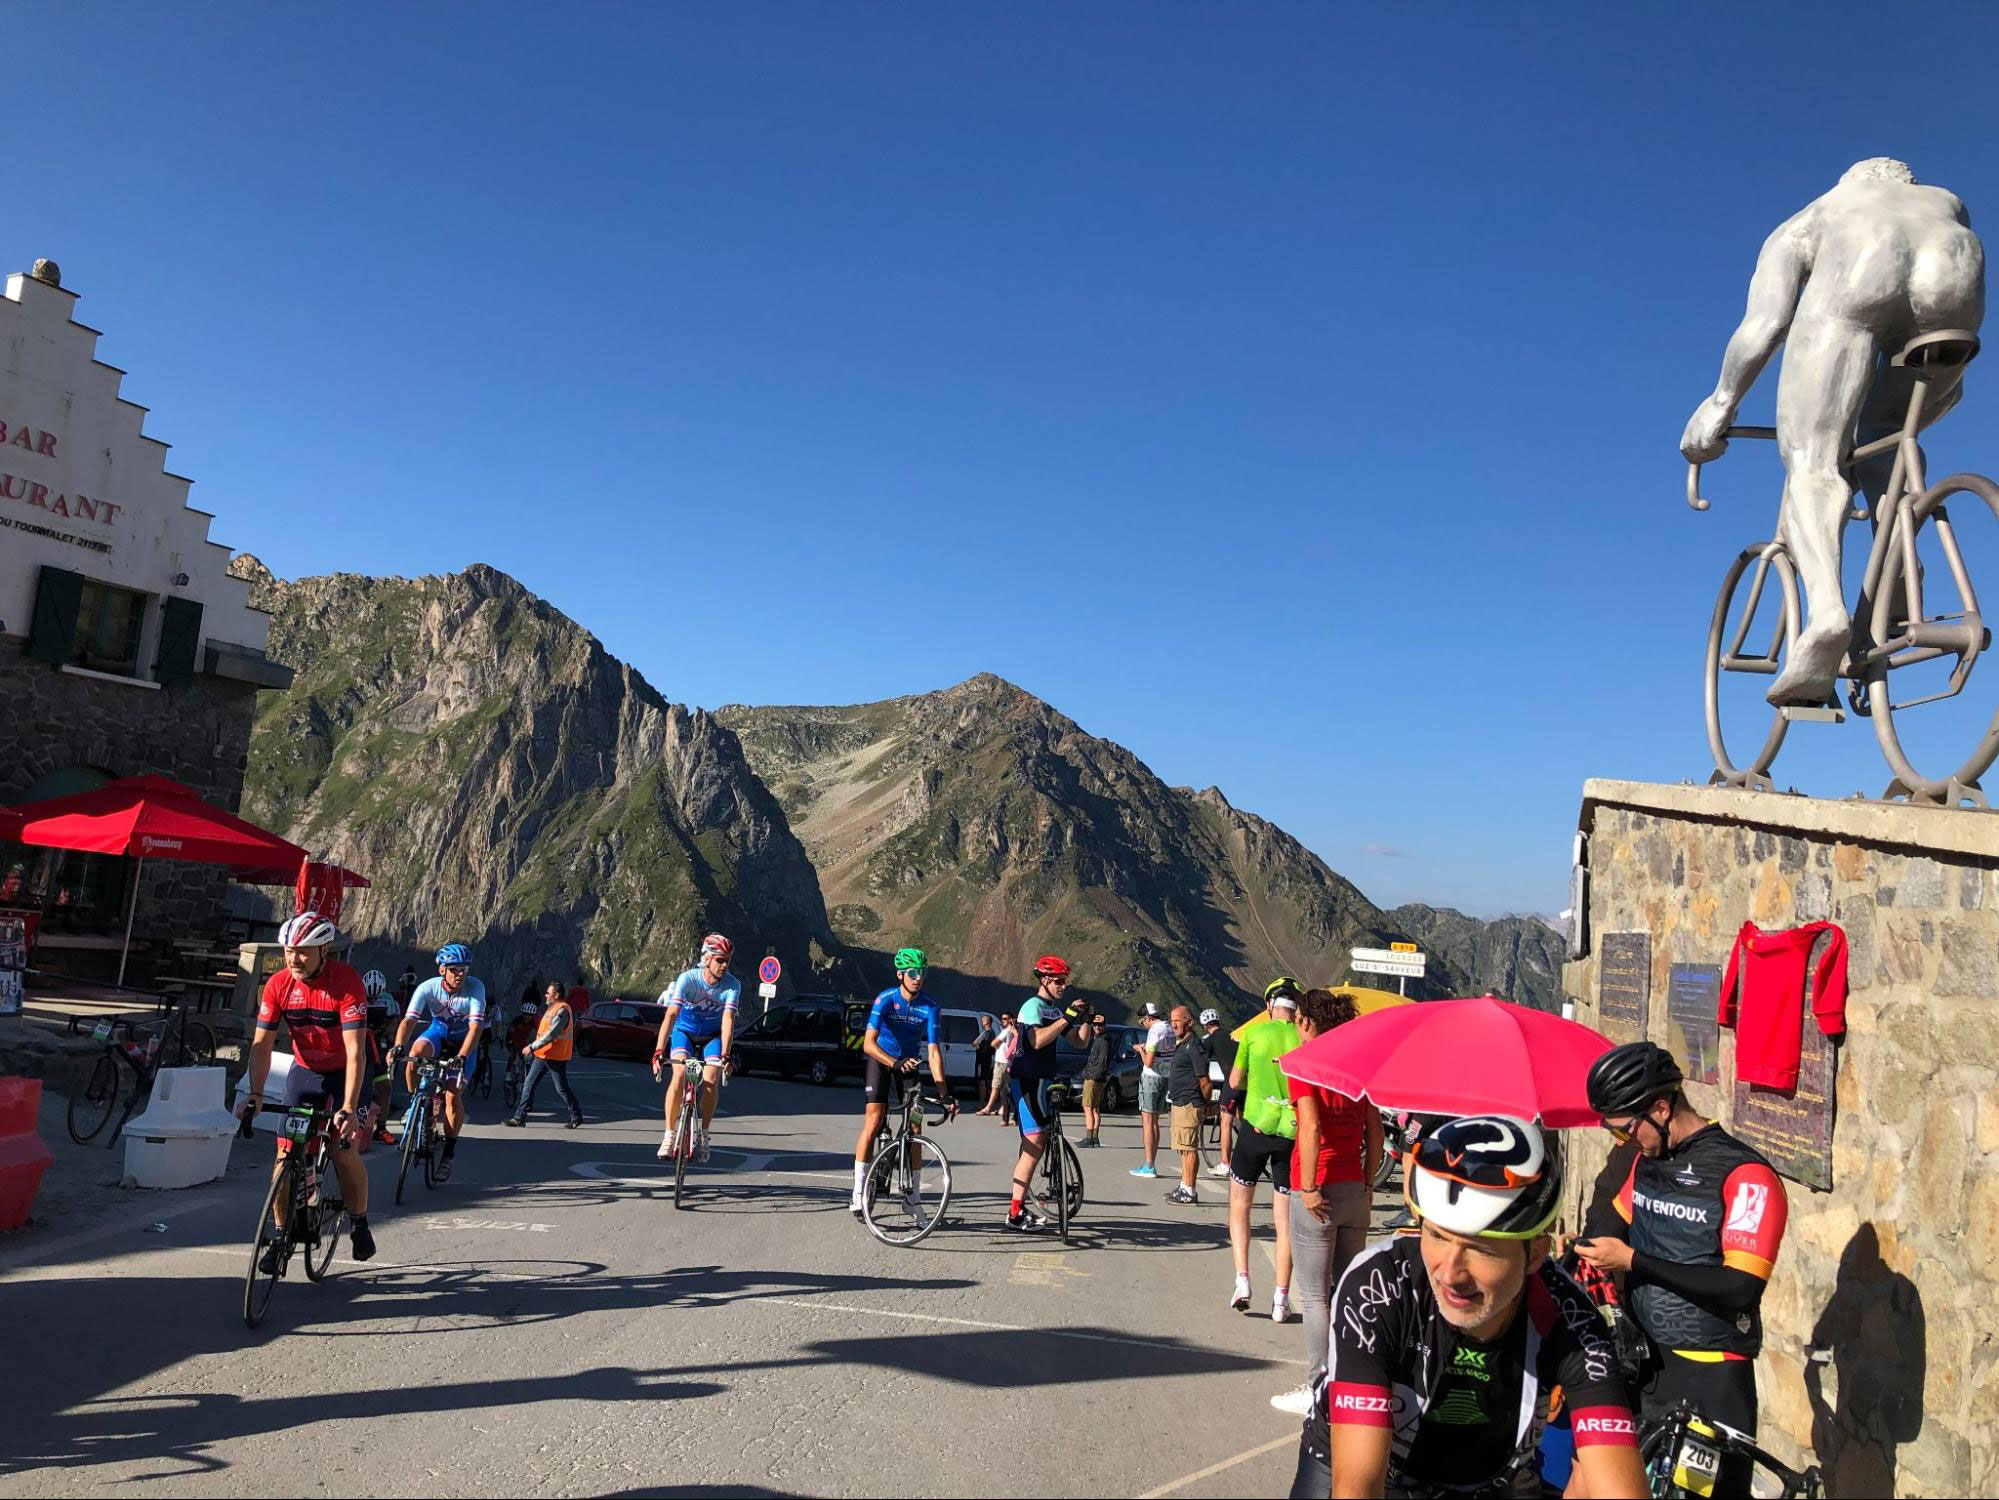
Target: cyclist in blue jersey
<point x="1042" y="1019"/>
<point x="700" y="1021"/>
<point x="903" y="1031"/>
<point x="451" y="1009"/>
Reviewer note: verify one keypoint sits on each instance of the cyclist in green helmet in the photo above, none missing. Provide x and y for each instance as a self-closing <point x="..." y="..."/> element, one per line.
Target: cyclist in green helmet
<point x="904" y="1030"/>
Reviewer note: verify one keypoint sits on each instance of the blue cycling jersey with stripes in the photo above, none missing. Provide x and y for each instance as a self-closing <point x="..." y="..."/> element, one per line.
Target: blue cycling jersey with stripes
<point x="904" y="1028"/>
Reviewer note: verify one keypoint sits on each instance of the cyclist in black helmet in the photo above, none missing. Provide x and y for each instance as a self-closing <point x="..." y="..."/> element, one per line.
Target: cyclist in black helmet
<point x="1706" y="1215"/>
<point x="1447" y="1345"/>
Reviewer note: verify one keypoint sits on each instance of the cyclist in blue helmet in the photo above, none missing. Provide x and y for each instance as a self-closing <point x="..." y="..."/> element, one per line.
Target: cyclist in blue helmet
<point x="451" y="1009"/>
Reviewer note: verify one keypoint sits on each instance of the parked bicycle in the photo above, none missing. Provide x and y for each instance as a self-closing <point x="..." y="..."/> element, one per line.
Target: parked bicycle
<point x="908" y="1183"/>
<point x="423" y="1126"/>
<point x="1683" y="1451"/>
<point x="1058" y="1177"/>
<point x="1914" y="553"/>
<point x="178" y="1043"/>
<point x="302" y="1212"/>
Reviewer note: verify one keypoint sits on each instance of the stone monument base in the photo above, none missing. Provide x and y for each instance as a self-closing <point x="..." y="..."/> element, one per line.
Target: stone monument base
<point x="1889" y="1145"/>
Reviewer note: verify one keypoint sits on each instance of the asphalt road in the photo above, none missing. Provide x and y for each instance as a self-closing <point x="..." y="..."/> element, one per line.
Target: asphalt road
<point x="548" y="1324"/>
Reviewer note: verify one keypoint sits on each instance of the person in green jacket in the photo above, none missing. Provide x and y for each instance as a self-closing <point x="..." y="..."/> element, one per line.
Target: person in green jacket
<point x="1263" y="1140"/>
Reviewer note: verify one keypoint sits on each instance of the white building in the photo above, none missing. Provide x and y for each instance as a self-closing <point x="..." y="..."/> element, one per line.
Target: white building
<point x="126" y="648"/>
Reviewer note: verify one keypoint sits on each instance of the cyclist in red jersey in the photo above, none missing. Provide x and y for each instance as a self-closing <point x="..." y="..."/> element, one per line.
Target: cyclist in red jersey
<point x="322" y="1002"/>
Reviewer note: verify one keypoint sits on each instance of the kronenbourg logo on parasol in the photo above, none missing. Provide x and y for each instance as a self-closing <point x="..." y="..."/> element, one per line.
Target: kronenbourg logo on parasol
<point x="148" y="843"/>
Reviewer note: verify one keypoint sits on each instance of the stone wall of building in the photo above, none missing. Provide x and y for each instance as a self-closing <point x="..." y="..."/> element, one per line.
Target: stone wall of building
<point x="1892" y="1270"/>
<point x="198" y="735"/>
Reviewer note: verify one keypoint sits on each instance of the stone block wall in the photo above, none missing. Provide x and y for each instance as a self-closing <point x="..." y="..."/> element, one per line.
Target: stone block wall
<point x="198" y="735"/>
<point x="1893" y="1269"/>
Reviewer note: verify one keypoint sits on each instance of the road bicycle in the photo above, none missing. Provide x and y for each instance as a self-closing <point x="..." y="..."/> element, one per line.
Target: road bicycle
<point x="1913" y="563"/>
<point x="482" y="1074"/>
<point x="1057" y="1185"/>
<point x="179" y="1043"/>
<point x="687" y="1120"/>
<point x="302" y="1212"/>
<point x="423" y="1125"/>
<point x="1682" y="1453"/>
<point x="907" y="1187"/>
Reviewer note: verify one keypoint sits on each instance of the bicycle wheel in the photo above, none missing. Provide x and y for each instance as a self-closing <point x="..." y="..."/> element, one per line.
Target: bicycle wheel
<point x="325" y="1222"/>
<point x="1065" y="1196"/>
<point x="513" y="1086"/>
<point x="257" y="1283"/>
<point x="91" y="1105"/>
<point x="1950" y="629"/>
<point x="906" y="1190"/>
<point x="683" y="1147"/>
<point x="1729" y="665"/>
<point x="413" y="1144"/>
<point x="1211" y="1141"/>
<point x="189" y="1044"/>
<point x="433" y="1130"/>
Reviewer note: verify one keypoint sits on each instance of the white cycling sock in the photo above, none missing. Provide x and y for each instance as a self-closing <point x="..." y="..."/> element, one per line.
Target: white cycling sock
<point x="860" y="1176"/>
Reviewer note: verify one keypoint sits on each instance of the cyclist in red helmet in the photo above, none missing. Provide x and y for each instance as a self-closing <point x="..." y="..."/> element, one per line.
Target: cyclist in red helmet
<point x="1042" y="1019"/>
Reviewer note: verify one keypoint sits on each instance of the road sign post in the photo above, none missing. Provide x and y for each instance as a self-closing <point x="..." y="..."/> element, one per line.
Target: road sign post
<point x="1402" y="960"/>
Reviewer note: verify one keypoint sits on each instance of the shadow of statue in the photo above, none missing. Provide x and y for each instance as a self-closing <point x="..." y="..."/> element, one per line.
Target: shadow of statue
<point x="1874" y="1330"/>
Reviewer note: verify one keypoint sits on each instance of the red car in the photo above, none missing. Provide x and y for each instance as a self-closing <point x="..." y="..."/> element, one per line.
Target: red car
<point x="620" y="1028"/>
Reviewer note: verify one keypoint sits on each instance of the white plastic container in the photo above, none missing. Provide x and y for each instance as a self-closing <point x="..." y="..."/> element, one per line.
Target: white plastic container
<point x="274" y="1092"/>
<point x="183" y="1137"/>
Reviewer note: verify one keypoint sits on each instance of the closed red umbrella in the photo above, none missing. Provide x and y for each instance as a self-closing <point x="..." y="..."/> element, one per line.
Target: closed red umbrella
<point x="1458" y="1057"/>
<point x="148" y="817"/>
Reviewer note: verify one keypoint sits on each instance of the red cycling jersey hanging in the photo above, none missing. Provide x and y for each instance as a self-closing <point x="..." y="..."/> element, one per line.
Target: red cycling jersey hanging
<point x="1767" y="1011"/>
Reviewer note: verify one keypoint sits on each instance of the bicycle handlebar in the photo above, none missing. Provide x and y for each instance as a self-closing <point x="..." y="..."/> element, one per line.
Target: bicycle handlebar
<point x="1694" y="499"/>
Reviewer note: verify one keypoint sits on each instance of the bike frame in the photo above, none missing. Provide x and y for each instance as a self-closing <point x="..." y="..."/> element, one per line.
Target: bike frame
<point x="1662" y="1442"/>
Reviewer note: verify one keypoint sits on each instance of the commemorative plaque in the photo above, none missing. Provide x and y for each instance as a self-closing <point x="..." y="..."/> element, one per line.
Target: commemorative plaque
<point x="1624" y="984"/>
<point x="1693" y="1034"/>
<point x="1794" y="1128"/>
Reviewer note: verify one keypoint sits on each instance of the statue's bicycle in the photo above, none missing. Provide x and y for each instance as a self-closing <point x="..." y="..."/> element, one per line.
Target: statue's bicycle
<point x="1913" y="566"/>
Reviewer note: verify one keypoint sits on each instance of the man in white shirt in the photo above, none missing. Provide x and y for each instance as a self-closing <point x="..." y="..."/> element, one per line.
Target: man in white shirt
<point x="1153" y="1051"/>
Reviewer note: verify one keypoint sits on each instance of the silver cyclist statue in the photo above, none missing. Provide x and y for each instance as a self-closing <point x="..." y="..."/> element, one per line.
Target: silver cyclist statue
<point x="1877" y="290"/>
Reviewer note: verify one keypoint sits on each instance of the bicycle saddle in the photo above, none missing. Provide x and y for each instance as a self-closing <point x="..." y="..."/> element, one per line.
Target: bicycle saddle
<point x="1946" y="349"/>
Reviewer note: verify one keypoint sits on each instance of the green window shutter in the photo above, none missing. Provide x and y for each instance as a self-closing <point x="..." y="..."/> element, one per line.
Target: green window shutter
<point x="52" y="636"/>
<point x="180" y="642"/>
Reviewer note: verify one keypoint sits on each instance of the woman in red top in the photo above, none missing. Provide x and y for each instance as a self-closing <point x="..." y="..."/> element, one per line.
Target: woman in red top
<point x="1339" y="1146"/>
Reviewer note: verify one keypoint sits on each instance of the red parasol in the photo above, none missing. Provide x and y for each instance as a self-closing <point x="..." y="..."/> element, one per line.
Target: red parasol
<point x="1458" y="1057"/>
<point x="148" y="817"/>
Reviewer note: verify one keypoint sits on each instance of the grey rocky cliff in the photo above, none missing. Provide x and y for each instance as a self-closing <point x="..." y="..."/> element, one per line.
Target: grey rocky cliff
<point x="502" y="778"/>
<point x="988" y="826"/>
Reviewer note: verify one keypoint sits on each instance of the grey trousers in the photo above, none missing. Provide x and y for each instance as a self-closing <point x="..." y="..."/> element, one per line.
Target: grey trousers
<point x="1319" y="1257"/>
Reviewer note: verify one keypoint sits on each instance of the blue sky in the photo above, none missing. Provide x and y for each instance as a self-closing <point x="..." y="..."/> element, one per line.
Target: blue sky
<point x="1288" y="392"/>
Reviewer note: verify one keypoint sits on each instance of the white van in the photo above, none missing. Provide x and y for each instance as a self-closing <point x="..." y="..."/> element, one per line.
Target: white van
<point x="960" y="1032"/>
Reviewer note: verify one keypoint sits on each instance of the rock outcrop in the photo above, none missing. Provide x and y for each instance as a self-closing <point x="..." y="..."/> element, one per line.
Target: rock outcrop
<point x="988" y="826"/>
<point x="501" y="778"/>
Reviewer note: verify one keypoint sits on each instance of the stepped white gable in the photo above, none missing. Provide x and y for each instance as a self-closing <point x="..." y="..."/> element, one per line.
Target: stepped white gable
<point x="83" y="488"/>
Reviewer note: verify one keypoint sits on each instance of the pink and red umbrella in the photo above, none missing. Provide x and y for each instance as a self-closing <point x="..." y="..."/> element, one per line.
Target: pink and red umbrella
<point x="1458" y="1057"/>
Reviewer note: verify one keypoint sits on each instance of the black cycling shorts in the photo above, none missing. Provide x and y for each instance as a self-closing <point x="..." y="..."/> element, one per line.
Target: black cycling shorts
<point x="1255" y="1154"/>
<point x="883" y="1085"/>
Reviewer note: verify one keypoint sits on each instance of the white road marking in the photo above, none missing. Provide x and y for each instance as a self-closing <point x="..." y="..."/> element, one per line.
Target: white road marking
<point x="1227" y="1463"/>
<point x="1053" y="1333"/>
<point x="745" y="1161"/>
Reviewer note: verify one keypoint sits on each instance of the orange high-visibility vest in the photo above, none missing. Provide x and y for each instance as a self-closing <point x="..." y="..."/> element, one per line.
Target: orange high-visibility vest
<point x="560" y="1049"/>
